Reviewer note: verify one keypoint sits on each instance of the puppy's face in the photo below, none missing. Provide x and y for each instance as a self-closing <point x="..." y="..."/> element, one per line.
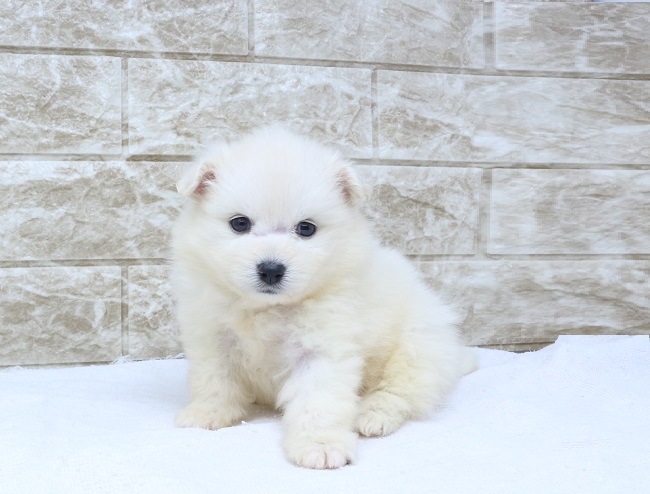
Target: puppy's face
<point x="272" y="218"/>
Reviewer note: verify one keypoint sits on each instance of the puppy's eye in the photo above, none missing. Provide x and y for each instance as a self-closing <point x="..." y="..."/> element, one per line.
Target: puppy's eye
<point x="305" y="229"/>
<point x="240" y="224"/>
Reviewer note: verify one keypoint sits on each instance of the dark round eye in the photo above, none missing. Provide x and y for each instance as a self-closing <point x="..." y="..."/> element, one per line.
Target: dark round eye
<point x="240" y="224"/>
<point x="305" y="229"/>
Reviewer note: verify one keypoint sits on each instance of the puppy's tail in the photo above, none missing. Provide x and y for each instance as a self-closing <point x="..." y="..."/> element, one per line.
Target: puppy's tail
<point x="468" y="361"/>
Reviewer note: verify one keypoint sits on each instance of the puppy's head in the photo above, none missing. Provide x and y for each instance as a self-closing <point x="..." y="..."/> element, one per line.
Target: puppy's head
<point x="273" y="218"/>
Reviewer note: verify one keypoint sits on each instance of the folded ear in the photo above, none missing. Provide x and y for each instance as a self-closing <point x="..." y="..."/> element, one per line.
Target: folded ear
<point x="198" y="178"/>
<point x="353" y="191"/>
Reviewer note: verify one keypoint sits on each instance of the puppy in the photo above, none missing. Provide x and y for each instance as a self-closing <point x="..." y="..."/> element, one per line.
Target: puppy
<point x="285" y="298"/>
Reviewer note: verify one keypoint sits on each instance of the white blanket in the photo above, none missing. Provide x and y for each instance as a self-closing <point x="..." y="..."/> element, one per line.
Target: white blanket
<point x="571" y="418"/>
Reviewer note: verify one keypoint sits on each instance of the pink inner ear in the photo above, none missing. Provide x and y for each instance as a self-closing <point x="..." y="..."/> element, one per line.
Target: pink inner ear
<point x="346" y="186"/>
<point x="208" y="176"/>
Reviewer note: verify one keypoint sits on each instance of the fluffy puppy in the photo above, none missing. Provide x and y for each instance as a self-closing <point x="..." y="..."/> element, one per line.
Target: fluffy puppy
<point x="285" y="298"/>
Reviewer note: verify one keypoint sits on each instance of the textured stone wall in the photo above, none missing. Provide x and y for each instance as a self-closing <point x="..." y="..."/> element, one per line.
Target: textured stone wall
<point x="508" y="144"/>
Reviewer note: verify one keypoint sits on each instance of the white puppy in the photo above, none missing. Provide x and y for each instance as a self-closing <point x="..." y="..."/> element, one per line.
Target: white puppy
<point x="286" y="299"/>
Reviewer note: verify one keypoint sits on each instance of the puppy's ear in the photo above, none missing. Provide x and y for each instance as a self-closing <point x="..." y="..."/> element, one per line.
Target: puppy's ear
<point x="197" y="179"/>
<point x="204" y="172"/>
<point x="351" y="188"/>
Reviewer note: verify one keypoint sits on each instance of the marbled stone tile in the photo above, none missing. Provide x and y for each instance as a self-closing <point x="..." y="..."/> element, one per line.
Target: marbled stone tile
<point x="211" y="26"/>
<point x="529" y="302"/>
<point x="443" y="33"/>
<point x="570" y="212"/>
<point x="421" y="210"/>
<point x="58" y="104"/>
<point x="505" y="119"/>
<point x="181" y="106"/>
<point x="153" y="332"/>
<point x="86" y="210"/>
<point x="59" y="315"/>
<point x="544" y="1"/>
<point x="565" y="37"/>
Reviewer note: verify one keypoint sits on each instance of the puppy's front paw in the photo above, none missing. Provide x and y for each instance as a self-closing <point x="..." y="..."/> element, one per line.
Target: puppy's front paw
<point x="206" y="416"/>
<point x="328" y="450"/>
<point x="378" y="423"/>
<point x="381" y="414"/>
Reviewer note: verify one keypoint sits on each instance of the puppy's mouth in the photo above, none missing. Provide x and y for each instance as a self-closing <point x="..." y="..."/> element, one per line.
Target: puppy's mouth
<point x="269" y="291"/>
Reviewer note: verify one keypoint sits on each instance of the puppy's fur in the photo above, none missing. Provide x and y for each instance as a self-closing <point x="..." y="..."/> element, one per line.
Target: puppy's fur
<point x="333" y="329"/>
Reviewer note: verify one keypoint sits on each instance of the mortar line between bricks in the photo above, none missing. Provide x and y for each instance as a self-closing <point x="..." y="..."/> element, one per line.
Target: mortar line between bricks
<point x="124" y="313"/>
<point x="82" y="263"/>
<point x="80" y="364"/>
<point x="500" y="166"/>
<point x="528" y="257"/>
<point x="489" y="36"/>
<point x="183" y="158"/>
<point x="251" y="30"/>
<point x="484" y="205"/>
<point x="374" y="115"/>
<point x="325" y="63"/>
<point x="125" y="108"/>
<point x="125" y="263"/>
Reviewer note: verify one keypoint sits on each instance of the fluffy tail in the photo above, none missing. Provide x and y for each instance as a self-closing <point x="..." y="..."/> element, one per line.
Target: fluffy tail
<point x="468" y="361"/>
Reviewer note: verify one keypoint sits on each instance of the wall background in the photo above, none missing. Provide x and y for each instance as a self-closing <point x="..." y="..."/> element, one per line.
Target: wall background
<point x="508" y="144"/>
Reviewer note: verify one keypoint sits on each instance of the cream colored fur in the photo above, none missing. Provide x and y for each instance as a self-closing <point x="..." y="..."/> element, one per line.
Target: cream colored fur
<point x="351" y="341"/>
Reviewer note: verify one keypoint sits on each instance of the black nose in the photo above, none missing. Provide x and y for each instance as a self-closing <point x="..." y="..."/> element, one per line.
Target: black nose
<point x="271" y="272"/>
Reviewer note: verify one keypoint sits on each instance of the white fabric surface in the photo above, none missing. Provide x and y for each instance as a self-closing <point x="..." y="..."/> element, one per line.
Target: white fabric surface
<point x="573" y="417"/>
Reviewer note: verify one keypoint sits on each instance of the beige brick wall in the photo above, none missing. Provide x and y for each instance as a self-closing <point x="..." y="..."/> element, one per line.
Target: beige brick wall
<point x="508" y="144"/>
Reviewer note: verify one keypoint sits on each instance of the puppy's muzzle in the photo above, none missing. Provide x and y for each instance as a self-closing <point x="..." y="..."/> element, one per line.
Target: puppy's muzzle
<point x="270" y="272"/>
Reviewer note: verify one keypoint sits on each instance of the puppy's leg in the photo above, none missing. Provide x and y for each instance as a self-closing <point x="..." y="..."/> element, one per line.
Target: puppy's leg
<point x="416" y="377"/>
<point x="320" y="405"/>
<point x="219" y="397"/>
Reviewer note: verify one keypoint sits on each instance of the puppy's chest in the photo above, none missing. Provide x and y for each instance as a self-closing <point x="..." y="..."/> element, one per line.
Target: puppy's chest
<point x="272" y="343"/>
